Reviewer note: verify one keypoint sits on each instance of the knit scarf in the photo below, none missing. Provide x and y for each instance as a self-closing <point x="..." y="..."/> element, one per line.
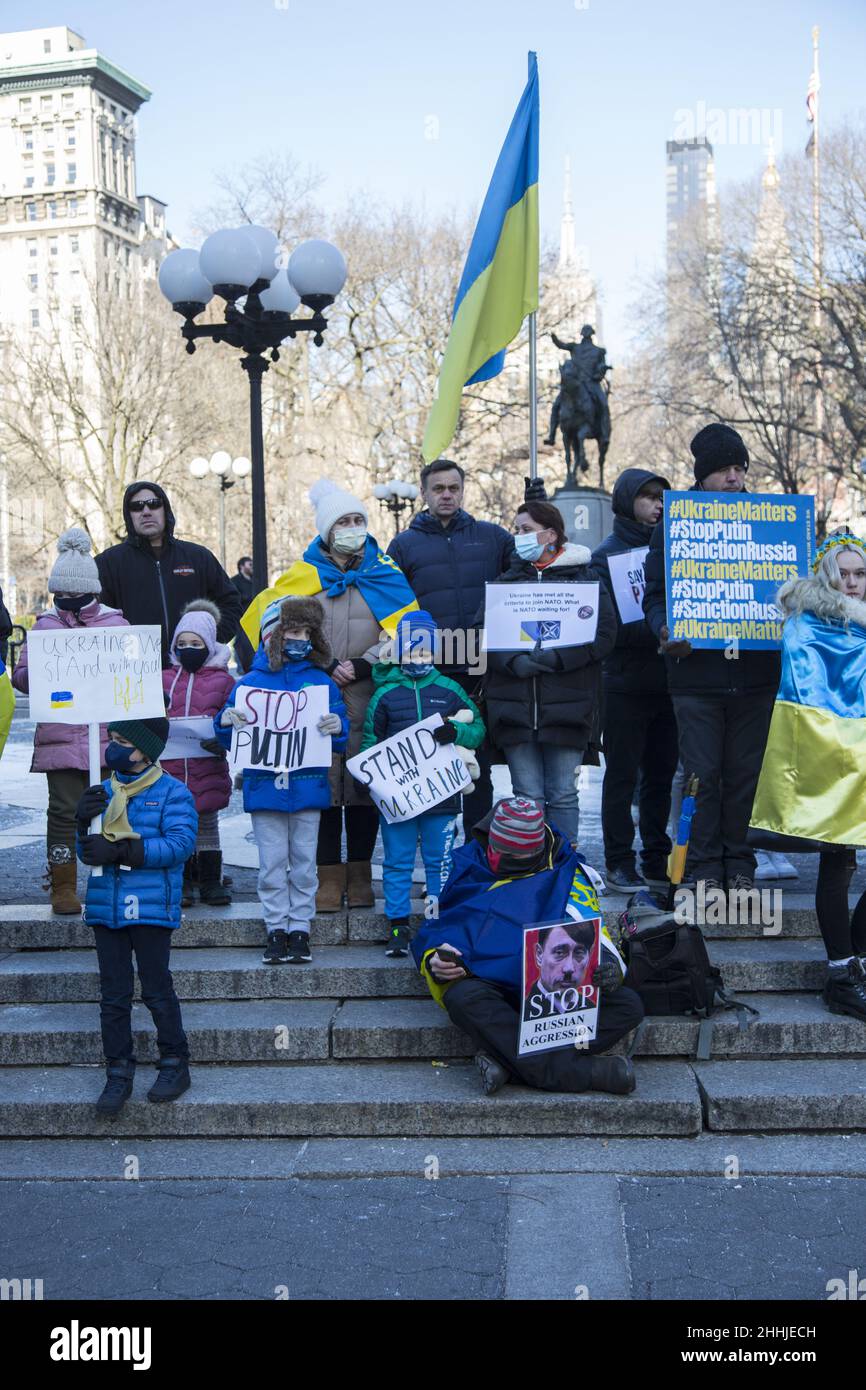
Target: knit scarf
<point x="115" y="822"/>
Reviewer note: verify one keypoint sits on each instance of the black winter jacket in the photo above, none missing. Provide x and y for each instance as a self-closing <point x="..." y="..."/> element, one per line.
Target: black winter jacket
<point x="634" y="667"/>
<point x="148" y="589"/>
<point x="563" y="706"/>
<point x="447" y="567"/>
<point x="707" y="671"/>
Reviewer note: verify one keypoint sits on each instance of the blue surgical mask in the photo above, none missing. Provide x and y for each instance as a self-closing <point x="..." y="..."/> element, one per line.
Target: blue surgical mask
<point x="117" y="757"/>
<point x="348" y="540"/>
<point x="296" y="648"/>
<point x="417" y="669"/>
<point x="528" y="546"/>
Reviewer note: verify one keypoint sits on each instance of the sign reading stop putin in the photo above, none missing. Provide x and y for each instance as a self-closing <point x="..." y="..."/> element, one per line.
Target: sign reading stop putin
<point x="280" y="734"/>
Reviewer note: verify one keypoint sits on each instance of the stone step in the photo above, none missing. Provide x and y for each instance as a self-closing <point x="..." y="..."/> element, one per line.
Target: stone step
<point x="789" y="1025"/>
<point x="241" y="924"/>
<point x="787" y="1095"/>
<point x="357" y="971"/>
<point x="346" y="1099"/>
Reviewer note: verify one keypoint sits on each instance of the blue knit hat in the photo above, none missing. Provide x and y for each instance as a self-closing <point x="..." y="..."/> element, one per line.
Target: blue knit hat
<point x="416" y="630"/>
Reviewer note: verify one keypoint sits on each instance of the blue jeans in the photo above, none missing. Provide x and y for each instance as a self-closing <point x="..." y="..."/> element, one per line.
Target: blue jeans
<point x="545" y="773"/>
<point x="436" y="833"/>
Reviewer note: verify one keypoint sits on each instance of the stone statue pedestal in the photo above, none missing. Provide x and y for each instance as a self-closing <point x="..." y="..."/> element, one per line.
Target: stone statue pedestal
<point x="586" y="512"/>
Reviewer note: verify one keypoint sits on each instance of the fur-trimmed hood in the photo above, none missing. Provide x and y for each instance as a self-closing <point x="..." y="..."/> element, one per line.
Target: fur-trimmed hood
<point x="813" y="595"/>
<point x="572" y="554"/>
<point x="299" y="612"/>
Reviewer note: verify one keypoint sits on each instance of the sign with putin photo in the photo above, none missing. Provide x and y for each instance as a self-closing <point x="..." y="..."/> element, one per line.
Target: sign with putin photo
<point x="560" y="1002"/>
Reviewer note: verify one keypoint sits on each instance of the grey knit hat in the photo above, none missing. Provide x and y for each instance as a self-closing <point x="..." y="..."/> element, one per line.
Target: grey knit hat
<point x="74" y="569"/>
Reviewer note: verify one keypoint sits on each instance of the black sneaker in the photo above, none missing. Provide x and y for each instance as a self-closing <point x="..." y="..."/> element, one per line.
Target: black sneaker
<point x="625" y="878"/>
<point x="398" y="938"/>
<point x="117" y="1089"/>
<point x="845" y="990"/>
<point x="276" y="952"/>
<point x="298" y="948"/>
<point x="740" y="883"/>
<point x="493" y="1074"/>
<point x="172" y="1081"/>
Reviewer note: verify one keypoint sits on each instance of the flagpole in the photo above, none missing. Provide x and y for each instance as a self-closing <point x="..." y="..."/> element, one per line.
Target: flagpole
<point x="817" y="259"/>
<point x="533" y="401"/>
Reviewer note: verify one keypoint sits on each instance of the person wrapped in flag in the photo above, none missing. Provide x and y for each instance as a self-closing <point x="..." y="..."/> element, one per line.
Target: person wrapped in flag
<point x="811" y="793"/>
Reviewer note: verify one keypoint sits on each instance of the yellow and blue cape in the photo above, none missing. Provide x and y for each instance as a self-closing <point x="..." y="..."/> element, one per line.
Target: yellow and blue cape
<point x="381" y="582"/>
<point x="813" y="779"/>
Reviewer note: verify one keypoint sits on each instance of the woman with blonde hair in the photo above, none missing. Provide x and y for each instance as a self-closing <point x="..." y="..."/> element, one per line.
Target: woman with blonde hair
<point x="812" y="788"/>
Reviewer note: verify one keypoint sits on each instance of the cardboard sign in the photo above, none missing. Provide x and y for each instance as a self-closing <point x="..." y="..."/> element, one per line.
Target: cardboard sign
<point x="280" y="734"/>
<point x="560" y="1004"/>
<point x="88" y="675"/>
<point x="410" y="772"/>
<point x="517" y="617"/>
<point x="185" y="736"/>
<point x="726" y="555"/>
<point x="627" y="580"/>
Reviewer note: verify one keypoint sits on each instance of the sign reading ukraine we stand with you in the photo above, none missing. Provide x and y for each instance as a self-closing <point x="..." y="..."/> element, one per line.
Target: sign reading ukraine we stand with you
<point x="88" y="675"/>
<point x="726" y="556"/>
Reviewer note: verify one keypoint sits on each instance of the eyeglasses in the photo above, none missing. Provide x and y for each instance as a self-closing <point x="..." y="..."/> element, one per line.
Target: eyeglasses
<point x="151" y="503"/>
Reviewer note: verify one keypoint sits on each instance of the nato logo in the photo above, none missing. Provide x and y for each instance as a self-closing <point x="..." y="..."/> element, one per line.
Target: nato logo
<point x="543" y="631"/>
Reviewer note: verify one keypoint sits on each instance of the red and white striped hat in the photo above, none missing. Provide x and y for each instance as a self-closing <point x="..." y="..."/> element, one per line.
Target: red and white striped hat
<point x="517" y="826"/>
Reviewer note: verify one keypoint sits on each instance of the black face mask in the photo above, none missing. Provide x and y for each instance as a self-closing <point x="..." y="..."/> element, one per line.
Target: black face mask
<point x="192" y="658"/>
<point x="73" y="602"/>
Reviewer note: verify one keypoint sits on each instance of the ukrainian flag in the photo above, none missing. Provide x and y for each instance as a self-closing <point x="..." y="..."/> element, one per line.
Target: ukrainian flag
<point x="499" y="285"/>
<point x="813" y="778"/>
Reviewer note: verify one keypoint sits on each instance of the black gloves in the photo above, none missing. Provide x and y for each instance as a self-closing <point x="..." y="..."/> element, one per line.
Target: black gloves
<point x="536" y="664"/>
<point x="607" y="976"/>
<point x="534" y="490"/>
<point x="96" y="850"/>
<point x="547" y="661"/>
<point x="522" y="665"/>
<point x="213" y="745"/>
<point x="447" y="733"/>
<point x="92" y="803"/>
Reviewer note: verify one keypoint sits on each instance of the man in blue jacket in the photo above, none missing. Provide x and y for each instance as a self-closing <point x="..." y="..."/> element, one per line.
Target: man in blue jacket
<point x="640" y="728"/>
<point x="148" y="832"/>
<point x="447" y="557"/>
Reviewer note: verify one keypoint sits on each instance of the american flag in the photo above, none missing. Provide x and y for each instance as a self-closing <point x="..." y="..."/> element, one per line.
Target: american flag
<point x="812" y="96"/>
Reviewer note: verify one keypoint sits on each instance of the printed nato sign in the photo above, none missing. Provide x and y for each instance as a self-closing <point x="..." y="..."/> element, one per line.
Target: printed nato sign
<point x="280" y="734"/>
<point x="88" y="675"/>
<point x="560" y="1002"/>
<point x="410" y="772"/>
<point x="627" y="579"/>
<point x="519" y="616"/>
<point x="726" y="556"/>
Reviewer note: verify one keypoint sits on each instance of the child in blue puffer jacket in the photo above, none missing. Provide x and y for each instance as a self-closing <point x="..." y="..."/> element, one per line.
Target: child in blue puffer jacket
<point x="148" y="832"/>
<point x="285" y="807"/>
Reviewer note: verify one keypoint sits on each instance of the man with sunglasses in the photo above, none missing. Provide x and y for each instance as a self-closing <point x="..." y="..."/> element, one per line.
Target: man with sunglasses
<point x="151" y="575"/>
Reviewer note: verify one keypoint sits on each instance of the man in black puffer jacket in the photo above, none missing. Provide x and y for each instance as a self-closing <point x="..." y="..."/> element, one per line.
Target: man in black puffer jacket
<point x="723" y="700"/>
<point x="447" y="557"/>
<point x="640" y="729"/>
<point x="151" y="576"/>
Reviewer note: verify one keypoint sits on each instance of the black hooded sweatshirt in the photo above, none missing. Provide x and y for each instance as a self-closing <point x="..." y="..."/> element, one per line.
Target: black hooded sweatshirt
<point x="634" y="667"/>
<point x="155" y="589"/>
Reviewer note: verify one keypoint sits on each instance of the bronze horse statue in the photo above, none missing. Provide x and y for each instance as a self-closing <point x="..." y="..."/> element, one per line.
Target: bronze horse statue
<point x="581" y="410"/>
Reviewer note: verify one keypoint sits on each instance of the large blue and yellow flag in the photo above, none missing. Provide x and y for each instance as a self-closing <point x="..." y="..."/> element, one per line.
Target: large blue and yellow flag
<point x="499" y="285"/>
<point x="813" y="776"/>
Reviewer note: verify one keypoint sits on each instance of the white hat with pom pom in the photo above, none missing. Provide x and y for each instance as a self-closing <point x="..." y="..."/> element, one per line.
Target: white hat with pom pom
<point x="74" y="569"/>
<point x="330" y="502"/>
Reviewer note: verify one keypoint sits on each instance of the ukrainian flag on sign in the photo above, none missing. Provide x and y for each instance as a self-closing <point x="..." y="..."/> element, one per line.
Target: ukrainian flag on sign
<point x="499" y="285"/>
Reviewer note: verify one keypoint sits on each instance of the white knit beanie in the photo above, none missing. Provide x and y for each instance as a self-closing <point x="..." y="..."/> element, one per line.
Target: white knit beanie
<point x="331" y="502"/>
<point x="74" y="569"/>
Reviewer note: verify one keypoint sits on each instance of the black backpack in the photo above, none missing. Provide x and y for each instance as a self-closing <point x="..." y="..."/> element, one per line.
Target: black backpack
<point x="669" y="968"/>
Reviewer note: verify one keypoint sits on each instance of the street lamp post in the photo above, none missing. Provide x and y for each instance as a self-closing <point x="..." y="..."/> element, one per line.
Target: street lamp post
<point x="395" y="497"/>
<point x="221" y="464"/>
<point x="241" y="264"/>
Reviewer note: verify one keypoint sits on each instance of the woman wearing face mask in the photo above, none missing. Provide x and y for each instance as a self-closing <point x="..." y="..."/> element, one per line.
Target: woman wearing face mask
<point x="362" y="592"/>
<point x="197" y="686"/>
<point x="60" y="750"/>
<point x="542" y="705"/>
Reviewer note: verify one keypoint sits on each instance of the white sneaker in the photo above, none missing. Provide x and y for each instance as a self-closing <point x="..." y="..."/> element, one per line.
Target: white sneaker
<point x="784" y="868"/>
<point x="765" y="868"/>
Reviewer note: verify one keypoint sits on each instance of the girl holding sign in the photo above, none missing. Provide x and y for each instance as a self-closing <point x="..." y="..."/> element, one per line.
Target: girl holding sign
<point x="543" y="705"/>
<point x="60" y="750"/>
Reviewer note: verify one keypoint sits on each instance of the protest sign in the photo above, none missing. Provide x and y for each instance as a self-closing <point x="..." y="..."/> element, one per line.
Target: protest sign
<point x="280" y="734"/>
<point x="518" y="616"/>
<point x="185" y="736"/>
<point x="726" y="555"/>
<point x="88" y="675"/>
<point x="627" y="578"/>
<point x="560" y="1003"/>
<point x="410" y="772"/>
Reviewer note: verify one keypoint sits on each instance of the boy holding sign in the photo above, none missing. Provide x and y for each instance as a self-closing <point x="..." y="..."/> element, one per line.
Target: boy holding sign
<point x="408" y="690"/>
<point x="283" y="793"/>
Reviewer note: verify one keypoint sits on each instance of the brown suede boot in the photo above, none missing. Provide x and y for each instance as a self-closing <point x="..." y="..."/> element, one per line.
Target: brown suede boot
<point x="359" y="884"/>
<point x="64" y="899"/>
<point x="332" y="886"/>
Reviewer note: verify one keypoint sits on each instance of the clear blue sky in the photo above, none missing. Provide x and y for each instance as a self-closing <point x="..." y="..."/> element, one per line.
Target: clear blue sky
<point x="348" y="87"/>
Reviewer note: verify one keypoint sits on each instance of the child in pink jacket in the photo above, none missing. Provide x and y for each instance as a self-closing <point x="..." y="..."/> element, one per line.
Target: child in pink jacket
<point x="60" y="750"/>
<point x="198" y="685"/>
